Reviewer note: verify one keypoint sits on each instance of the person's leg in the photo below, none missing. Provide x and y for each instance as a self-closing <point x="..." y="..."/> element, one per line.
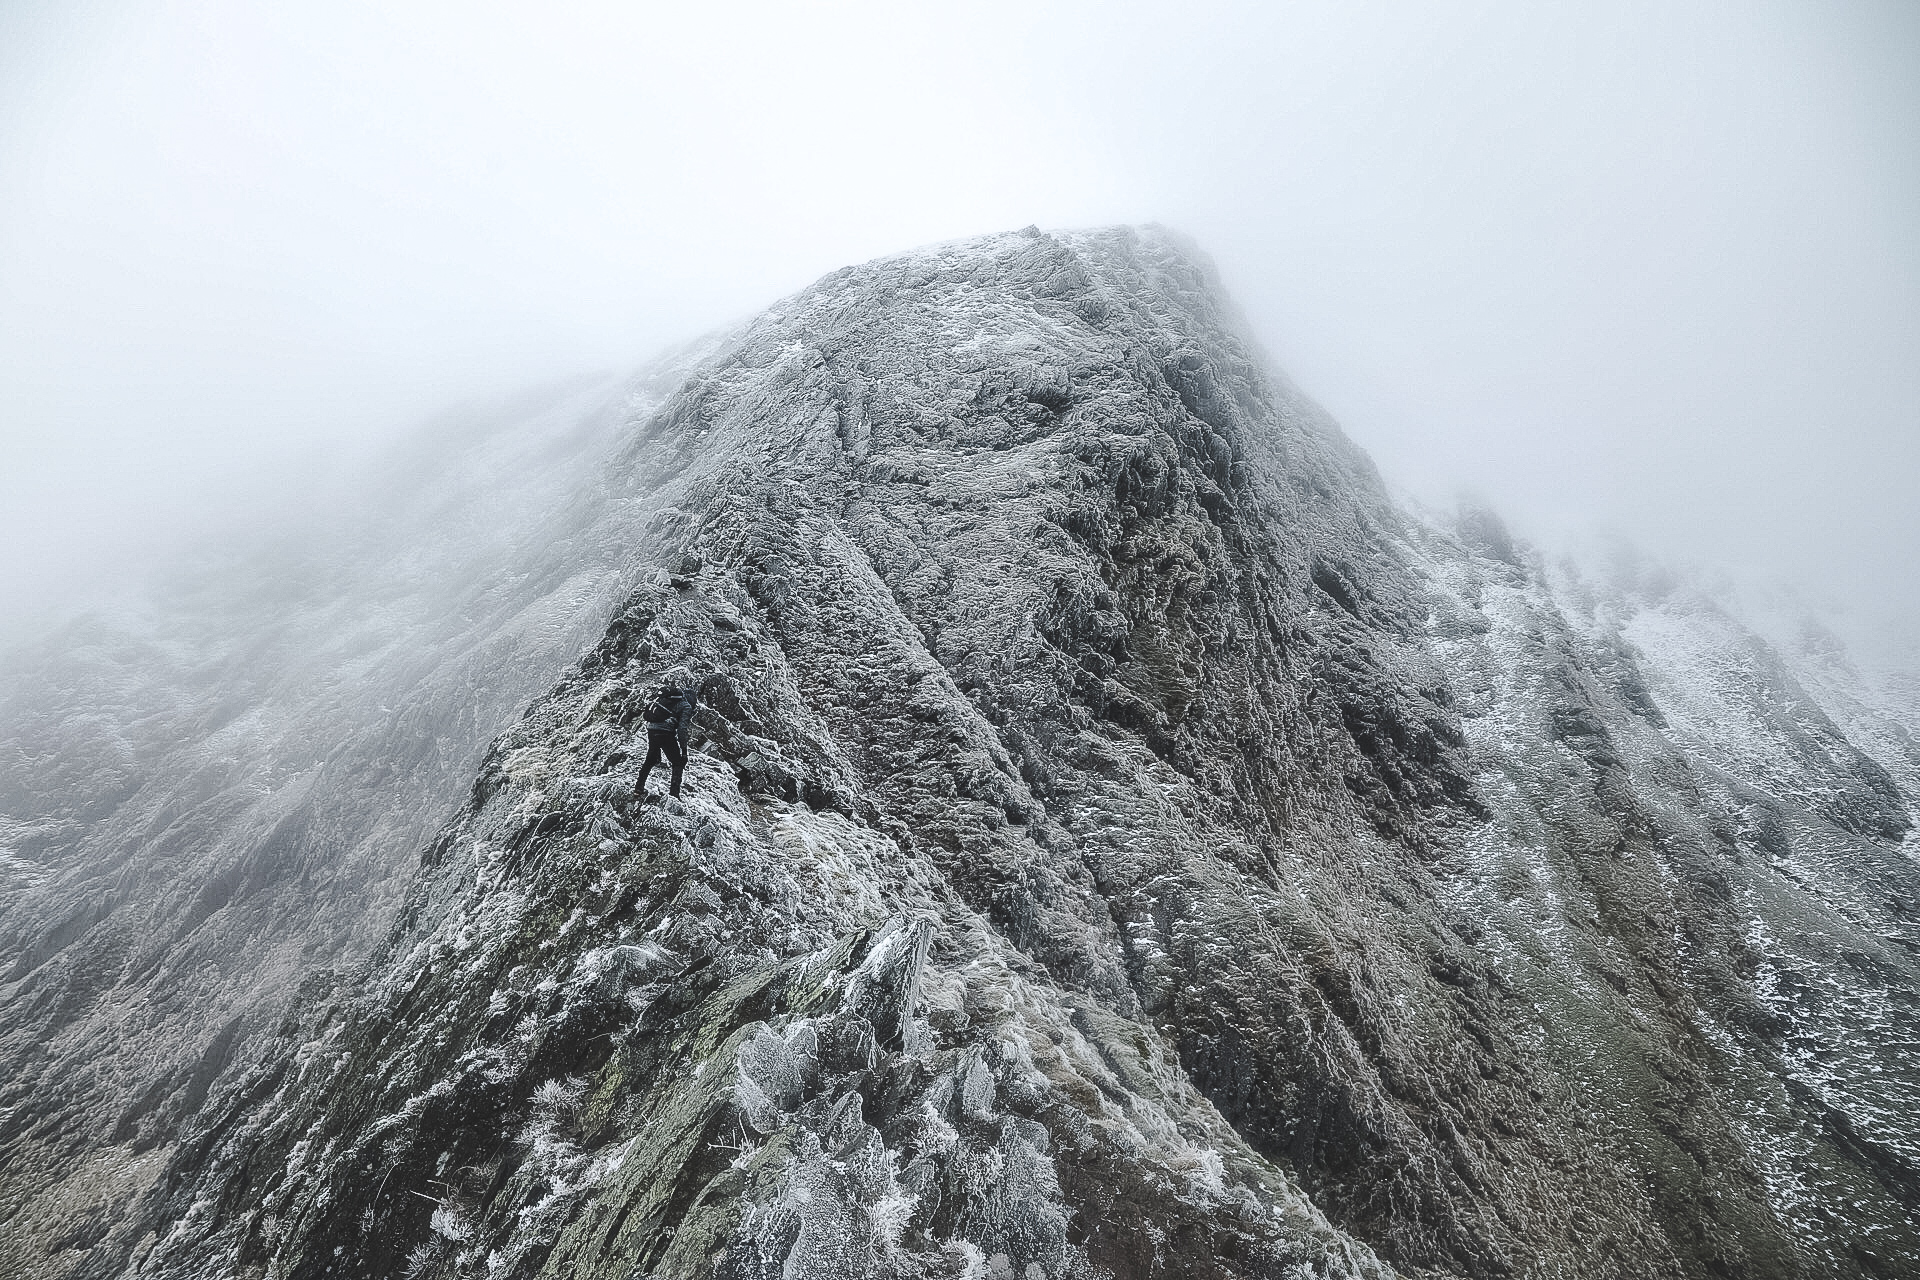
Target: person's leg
<point x="653" y="758"/>
<point x="677" y="755"/>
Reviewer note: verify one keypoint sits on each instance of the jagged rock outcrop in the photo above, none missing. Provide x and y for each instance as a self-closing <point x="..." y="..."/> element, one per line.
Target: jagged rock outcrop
<point x="1120" y="841"/>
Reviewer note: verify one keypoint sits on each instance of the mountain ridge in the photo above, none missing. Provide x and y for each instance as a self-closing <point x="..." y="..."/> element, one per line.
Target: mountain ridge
<point x="1276" y="878"/>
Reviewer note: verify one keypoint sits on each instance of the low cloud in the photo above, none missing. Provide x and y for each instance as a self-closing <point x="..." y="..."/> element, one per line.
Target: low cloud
<point x="1649" y="266"/>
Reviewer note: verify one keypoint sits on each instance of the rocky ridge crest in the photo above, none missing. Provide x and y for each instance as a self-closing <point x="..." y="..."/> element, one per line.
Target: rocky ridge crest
<point x="1120" y="841"/>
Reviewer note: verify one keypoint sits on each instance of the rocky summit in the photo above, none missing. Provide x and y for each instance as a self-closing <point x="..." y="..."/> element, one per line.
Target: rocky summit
<point x="1119" y="840"/>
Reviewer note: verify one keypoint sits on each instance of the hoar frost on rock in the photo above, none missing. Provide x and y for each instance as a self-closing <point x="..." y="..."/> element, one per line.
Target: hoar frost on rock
<point x="1119" y="841"/>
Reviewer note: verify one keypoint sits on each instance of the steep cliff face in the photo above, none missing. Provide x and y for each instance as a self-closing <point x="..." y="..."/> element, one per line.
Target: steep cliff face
<point x="1119" y="841"/>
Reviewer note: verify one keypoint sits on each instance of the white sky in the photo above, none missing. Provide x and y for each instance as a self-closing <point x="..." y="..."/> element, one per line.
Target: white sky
<point x="1656" y="265"/>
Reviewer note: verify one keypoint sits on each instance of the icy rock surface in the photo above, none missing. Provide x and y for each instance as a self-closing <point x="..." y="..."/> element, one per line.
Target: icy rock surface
<point x="1119" y="841"/>
<point x="205" y="799"/>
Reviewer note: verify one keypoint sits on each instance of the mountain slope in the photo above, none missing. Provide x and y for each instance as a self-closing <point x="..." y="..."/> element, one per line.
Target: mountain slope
<point x="203" y="800"/>
<point x="1120" y="841"/>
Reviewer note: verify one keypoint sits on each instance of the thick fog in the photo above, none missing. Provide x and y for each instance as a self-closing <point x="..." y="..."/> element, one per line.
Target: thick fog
<point x="1653" y="266"/>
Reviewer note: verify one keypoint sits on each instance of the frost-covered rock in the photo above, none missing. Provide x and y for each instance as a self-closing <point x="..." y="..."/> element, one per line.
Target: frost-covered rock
<point x="1119" y="841"/>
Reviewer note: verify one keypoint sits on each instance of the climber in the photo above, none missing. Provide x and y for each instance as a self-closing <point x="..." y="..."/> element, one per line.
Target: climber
<point x="669" y="717"/>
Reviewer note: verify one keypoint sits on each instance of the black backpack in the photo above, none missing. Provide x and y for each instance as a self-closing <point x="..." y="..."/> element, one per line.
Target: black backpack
<point x="661" y="713"/>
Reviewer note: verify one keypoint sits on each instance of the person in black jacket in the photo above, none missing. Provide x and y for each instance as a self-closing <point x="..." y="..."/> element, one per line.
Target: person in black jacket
<point x="669" y="718"/>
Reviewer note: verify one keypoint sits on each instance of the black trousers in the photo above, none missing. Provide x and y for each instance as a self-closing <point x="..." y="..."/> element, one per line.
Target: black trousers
<point x="670" y="746"/>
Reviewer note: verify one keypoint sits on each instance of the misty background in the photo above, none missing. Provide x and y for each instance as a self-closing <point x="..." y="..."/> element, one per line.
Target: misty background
<point x="1653" y="267"/>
